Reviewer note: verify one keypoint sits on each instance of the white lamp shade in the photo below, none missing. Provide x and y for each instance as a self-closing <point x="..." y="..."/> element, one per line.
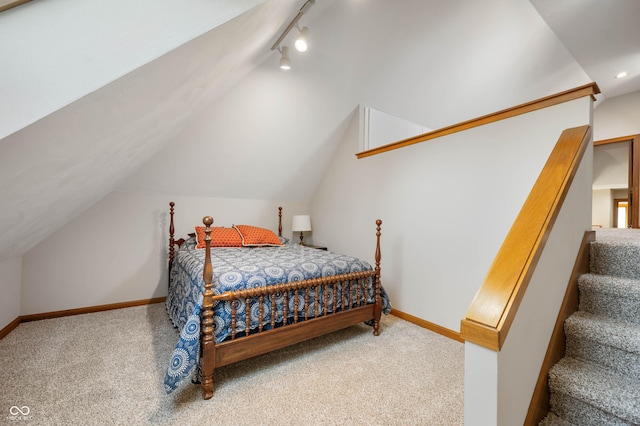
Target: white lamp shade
<point x="301" y="223"/>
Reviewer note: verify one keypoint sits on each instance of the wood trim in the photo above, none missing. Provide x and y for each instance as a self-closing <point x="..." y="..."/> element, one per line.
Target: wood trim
<point x="634" y="172"/>
<point x="90" y="309"/>
<point x="634" y="190"/>
<point x="616" y="205"/>
<point x="11" y="4"/>
<point x="539" y="406"/>
<point x="9" y="328"/>
<point x="68" y="312"/>
<point x="629" y="199"/>
<point x="428" y="325"/>
<point x="614" y="140"/>
<point x="590" y="89"/>
<point x="492" y="311"/>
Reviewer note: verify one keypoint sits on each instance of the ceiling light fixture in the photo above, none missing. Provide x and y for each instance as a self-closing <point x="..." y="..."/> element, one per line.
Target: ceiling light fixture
<point x="301" y="42"/>
<point x="622" y="74"/>
<point x="285" y="62"/>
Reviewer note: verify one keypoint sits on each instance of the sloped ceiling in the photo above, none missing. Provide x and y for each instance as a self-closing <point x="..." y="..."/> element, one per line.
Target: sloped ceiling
<point x="217" y="109"/>
<point x="603" y="37"/>
<point x="55" y="52"/>
<point x="70" y="154"/>
<point x="431" y="62"/>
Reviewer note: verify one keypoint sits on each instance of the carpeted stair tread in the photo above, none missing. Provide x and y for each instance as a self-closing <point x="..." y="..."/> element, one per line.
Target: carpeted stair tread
<point x="553" y="419"/>
<point x="618" y="236"/>
<point x="610" y="296"/>
<point x="604" y="341"/>
<point x="598" y="381"/>
<point x="580" y="413"/>
<point x="604" y="330"/>
<point x="595" y="386"/>
<point x="615" y="252"/>
<point x="617" y="286"/>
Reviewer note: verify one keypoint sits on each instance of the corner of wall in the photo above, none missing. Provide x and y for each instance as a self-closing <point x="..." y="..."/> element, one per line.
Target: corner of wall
<point x="10" y="286"/>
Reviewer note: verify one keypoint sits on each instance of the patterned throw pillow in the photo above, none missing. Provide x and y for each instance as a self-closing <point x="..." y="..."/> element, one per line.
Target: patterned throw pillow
<point x="220" y="237"/>
<point x="252" y="236"/>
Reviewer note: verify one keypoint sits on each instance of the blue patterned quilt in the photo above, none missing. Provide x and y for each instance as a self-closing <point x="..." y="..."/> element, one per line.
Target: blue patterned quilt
<point x="237" y="269"/>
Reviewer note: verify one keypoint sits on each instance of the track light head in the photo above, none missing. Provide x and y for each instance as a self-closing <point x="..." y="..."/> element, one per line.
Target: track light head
<point x="285" y="62"/>
<point x="301" y="41"/>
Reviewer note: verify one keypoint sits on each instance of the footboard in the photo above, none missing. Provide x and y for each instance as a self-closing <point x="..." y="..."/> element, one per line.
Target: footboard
<point x="320" y="306"/>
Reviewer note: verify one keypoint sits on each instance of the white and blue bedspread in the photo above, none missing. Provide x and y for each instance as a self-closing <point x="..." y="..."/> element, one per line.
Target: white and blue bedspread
<point x="237" y="269"/>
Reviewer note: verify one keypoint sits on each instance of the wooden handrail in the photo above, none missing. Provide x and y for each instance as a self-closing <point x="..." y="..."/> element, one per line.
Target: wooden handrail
<point x="590" y="89"/>
<point x="491" y="313"/>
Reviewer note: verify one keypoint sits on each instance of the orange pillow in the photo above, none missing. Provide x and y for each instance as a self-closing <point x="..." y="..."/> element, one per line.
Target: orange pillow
<point x="252" y="236"/>
<point x="220" y="237"/>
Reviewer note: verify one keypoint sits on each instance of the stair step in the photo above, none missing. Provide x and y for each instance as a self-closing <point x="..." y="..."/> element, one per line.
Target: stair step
<point x="584" y="393"/>
<point x="609" y="296"/>
<point x="554" y="420"/>
<point x="615" y="252"/>
<point x="598" y="381"/>
<point x="601" y="340"/>
<point x="579" y="413"/>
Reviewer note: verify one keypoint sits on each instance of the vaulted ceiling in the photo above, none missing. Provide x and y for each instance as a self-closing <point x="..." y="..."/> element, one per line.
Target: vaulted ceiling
<point x="90" y="90"/>
<point x="602" y="36"/>
<point x="101" y="96"/>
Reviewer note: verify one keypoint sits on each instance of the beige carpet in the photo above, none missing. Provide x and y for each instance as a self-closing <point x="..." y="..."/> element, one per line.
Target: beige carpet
<point x="107" y="369"/>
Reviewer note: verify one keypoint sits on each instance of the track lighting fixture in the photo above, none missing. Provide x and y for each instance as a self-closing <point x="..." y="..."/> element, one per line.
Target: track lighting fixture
<point x="285" y="62"/>
<point x="301" y="41"/>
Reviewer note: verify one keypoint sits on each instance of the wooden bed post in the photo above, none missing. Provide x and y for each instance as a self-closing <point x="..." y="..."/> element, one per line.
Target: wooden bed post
<point x="377" y="309"/>
<point x="171" y="233"/>
<point x="279" y="221"/>
<point x="207" y="342"/>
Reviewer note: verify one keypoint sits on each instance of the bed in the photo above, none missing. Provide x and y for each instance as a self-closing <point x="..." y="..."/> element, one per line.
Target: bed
<point x="237" y="300"/>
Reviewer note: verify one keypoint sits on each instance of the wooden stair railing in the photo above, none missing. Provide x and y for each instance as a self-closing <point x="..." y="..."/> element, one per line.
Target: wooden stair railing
<point x="590" y="89"/>
<point x="494" y="307"/>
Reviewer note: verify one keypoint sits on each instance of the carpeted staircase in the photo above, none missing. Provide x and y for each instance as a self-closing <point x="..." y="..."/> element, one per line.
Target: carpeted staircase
<point x="598" y="381"/>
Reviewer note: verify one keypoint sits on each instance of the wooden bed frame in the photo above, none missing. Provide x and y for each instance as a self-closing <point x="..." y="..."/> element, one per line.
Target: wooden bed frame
<point x="280" y="335"/>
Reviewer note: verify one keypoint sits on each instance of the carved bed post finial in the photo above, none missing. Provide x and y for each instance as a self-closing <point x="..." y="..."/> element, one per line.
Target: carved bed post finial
<point x="377" y="310"/>
<point x="171" y="233"/>
<point x="207" y="342"/>
<point x="279" y="221"/>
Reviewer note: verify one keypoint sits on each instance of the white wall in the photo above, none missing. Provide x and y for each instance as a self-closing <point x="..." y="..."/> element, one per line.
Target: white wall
<point x="378" y="128"/>
<point x="517" y="365"/>
<point x="444" y="203"/>
<point x="611" y="166"/>
<point x="602" y="215"/>
<point x="116" y="250"/>
<point x="272" y="135"/>
<point x="10" y="279"/>
<point x="481" y="386"/>
<point x="619" y="116"/>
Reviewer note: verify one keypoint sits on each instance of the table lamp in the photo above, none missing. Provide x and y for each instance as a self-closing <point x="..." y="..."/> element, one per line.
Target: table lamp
<point x="301" y="223"/>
